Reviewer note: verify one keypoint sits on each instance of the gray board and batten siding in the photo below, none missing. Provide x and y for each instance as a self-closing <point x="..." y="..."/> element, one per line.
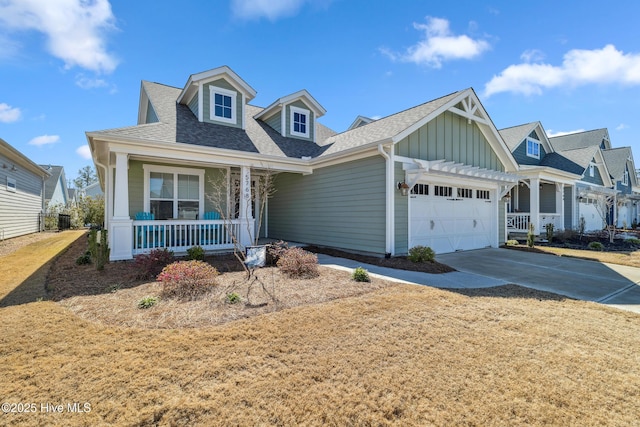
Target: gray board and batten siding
<point x="310" y="124"/>
<point x="20" y="211"/>
<point x="450" y="137"/>
<point x="341" y="206"/>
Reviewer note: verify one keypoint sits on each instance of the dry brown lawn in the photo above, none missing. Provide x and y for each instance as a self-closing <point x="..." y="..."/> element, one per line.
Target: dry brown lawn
<point x="632" y="259"/>
<point x="399" y="355"/>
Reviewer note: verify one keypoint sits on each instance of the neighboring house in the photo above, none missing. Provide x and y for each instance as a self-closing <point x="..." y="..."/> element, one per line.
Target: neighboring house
<point x="621" y="166"/>
<point x="547" y="187"/>
<point x="93" y="190"/>
<point x="21" y="193"/>
<point x="56" y="191"/>
<point x="585" y="149"/>
<point x="346" y="190"/>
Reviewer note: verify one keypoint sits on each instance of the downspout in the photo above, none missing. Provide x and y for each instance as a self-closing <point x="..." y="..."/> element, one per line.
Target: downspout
<point x="389" y="200"/>
<point x="106" y="204"/>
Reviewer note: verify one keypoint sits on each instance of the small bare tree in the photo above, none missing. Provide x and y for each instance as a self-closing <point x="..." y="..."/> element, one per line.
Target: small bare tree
<point x="604" y="203"/>
<point x="222" y="197"/>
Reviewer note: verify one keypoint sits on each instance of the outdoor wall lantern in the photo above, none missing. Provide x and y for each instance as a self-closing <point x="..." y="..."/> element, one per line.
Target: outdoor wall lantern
<point x="404" y="188"/>
<point x="506" y="197"/>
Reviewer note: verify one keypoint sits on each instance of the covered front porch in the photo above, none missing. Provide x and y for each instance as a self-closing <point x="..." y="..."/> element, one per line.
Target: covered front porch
<point x="154" y="203"/>
<point x="540" y="201"/>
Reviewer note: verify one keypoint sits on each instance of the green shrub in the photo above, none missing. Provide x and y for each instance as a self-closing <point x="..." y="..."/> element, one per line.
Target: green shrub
<point x="549" y="228"/>
<point x="360" y="275"/>
<point x="195" y="253"/>
<point x="297" y="263"/>
<point x="633" y="241"/>
<point x="147" y="302"/>
<point x="99" y="250"/>
<point x="512" y="243"/>
<point x="531" y="238"/>
<point x="150" y="265"/>
<point x="596" y="246"/>
<point x="421" y="254"/>
<point x="84" y="259"/>
<point x="187" y="279"/>
<point x="233" y="298"/>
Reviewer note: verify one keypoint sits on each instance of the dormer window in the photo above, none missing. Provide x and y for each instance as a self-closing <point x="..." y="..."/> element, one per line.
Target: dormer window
<point x="592" y="170"/>
<point x="533" y="148"/>
<point x="223" y="105"/>
<point x="299" y="122"/>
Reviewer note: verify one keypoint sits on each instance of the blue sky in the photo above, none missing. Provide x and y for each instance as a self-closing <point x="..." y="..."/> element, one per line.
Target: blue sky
<point x="71" y="66"/>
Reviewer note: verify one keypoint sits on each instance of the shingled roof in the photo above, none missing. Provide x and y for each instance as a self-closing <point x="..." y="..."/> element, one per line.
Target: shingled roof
<point x="579" y="139"/>
<point x="386" y="127"/>
<point x="513" y="136"/>
<point x="616" y="161"/>
<point x="177" y="124"/>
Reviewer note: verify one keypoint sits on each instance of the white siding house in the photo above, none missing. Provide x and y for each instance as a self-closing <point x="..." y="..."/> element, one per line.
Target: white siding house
<point x="21" y="193"/>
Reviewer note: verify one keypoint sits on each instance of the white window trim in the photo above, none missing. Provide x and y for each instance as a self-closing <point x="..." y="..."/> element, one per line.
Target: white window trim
<point x="527" y="148"/>
<point x="625" y="178"/>
<point x="213" y="90"/>
<point x="175" y="171"/>
<point x="11" y="185"/>
<point x="292" y="111"/>
<point x="592" y="168"/>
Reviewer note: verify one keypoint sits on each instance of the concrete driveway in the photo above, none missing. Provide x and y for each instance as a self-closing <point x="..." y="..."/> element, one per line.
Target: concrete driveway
<point x="609" y="284"/>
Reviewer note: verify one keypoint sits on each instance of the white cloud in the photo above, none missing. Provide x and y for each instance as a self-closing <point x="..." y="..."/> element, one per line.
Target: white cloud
<point x="39" y="141"/>
<point x="75" y="29"/>
<point x="270" y="9"/>
<point x="439" y="45"/>
<point x="552" y="133"/>
<point x="579" y="67"/>
<point x="85" y="82"/>
<point x="84" y="152"/>
<point x="9" y="114"/>
<point x="622" y="126"/>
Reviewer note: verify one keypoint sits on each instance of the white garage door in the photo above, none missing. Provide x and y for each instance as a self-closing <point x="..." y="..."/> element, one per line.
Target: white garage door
<point x="450" y="219"/>
<point x="592" y="219"/>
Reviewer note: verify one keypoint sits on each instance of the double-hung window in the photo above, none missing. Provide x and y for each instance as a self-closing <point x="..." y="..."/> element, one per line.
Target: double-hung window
<point x="174" y="192"/>
<point x="625" y="178"/>
<point x="223" y="105"/>
<point x="533" y="148"/>
<point x="300" y="122"/>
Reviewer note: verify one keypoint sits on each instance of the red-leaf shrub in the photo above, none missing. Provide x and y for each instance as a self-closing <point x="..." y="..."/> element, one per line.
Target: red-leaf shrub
<point x="150" y="265"/>
<point x="187" y="279"/>
<point x="298" y="263"/>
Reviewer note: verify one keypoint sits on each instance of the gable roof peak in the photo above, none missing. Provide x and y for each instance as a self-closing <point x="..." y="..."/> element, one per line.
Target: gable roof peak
<point x="303" y="95"/>
<point x="214" y="73"/>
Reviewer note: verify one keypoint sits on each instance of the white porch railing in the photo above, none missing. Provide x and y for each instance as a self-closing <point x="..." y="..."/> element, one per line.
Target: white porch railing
<point x="553" y="218"/>
<point x="518" y="222"/>
<point x="180" y="235"/>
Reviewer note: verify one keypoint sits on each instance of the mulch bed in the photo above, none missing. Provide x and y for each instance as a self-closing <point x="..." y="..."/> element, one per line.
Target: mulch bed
<point x="398" y="262"/>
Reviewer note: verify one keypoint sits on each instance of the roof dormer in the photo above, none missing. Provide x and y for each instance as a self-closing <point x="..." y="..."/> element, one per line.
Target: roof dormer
<point x="294" y="115"/>
<point x="360" y="121"/>
<point x="217" y="96"/>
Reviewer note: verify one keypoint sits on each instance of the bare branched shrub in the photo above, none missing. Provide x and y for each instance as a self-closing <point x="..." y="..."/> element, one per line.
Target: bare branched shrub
<point x="298" y="264"/>
<point x="149" y="265"/>
<point x="187" y="280"/>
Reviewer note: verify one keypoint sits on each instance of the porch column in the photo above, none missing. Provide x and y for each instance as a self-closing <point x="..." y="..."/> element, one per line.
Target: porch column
<point x="245" y="216"/>
<point x="534" y="203"/>
<point x="121" y="228"/>
<point x="560" y="205"/>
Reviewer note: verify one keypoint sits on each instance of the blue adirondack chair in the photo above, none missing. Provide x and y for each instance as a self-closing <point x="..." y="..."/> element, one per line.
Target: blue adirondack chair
<point x="149" y="235"/>
<point x="209" y="234"/>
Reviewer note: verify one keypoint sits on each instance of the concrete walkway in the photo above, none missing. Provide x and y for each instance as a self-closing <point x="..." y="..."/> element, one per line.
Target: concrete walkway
<point x="609" y="284"/>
